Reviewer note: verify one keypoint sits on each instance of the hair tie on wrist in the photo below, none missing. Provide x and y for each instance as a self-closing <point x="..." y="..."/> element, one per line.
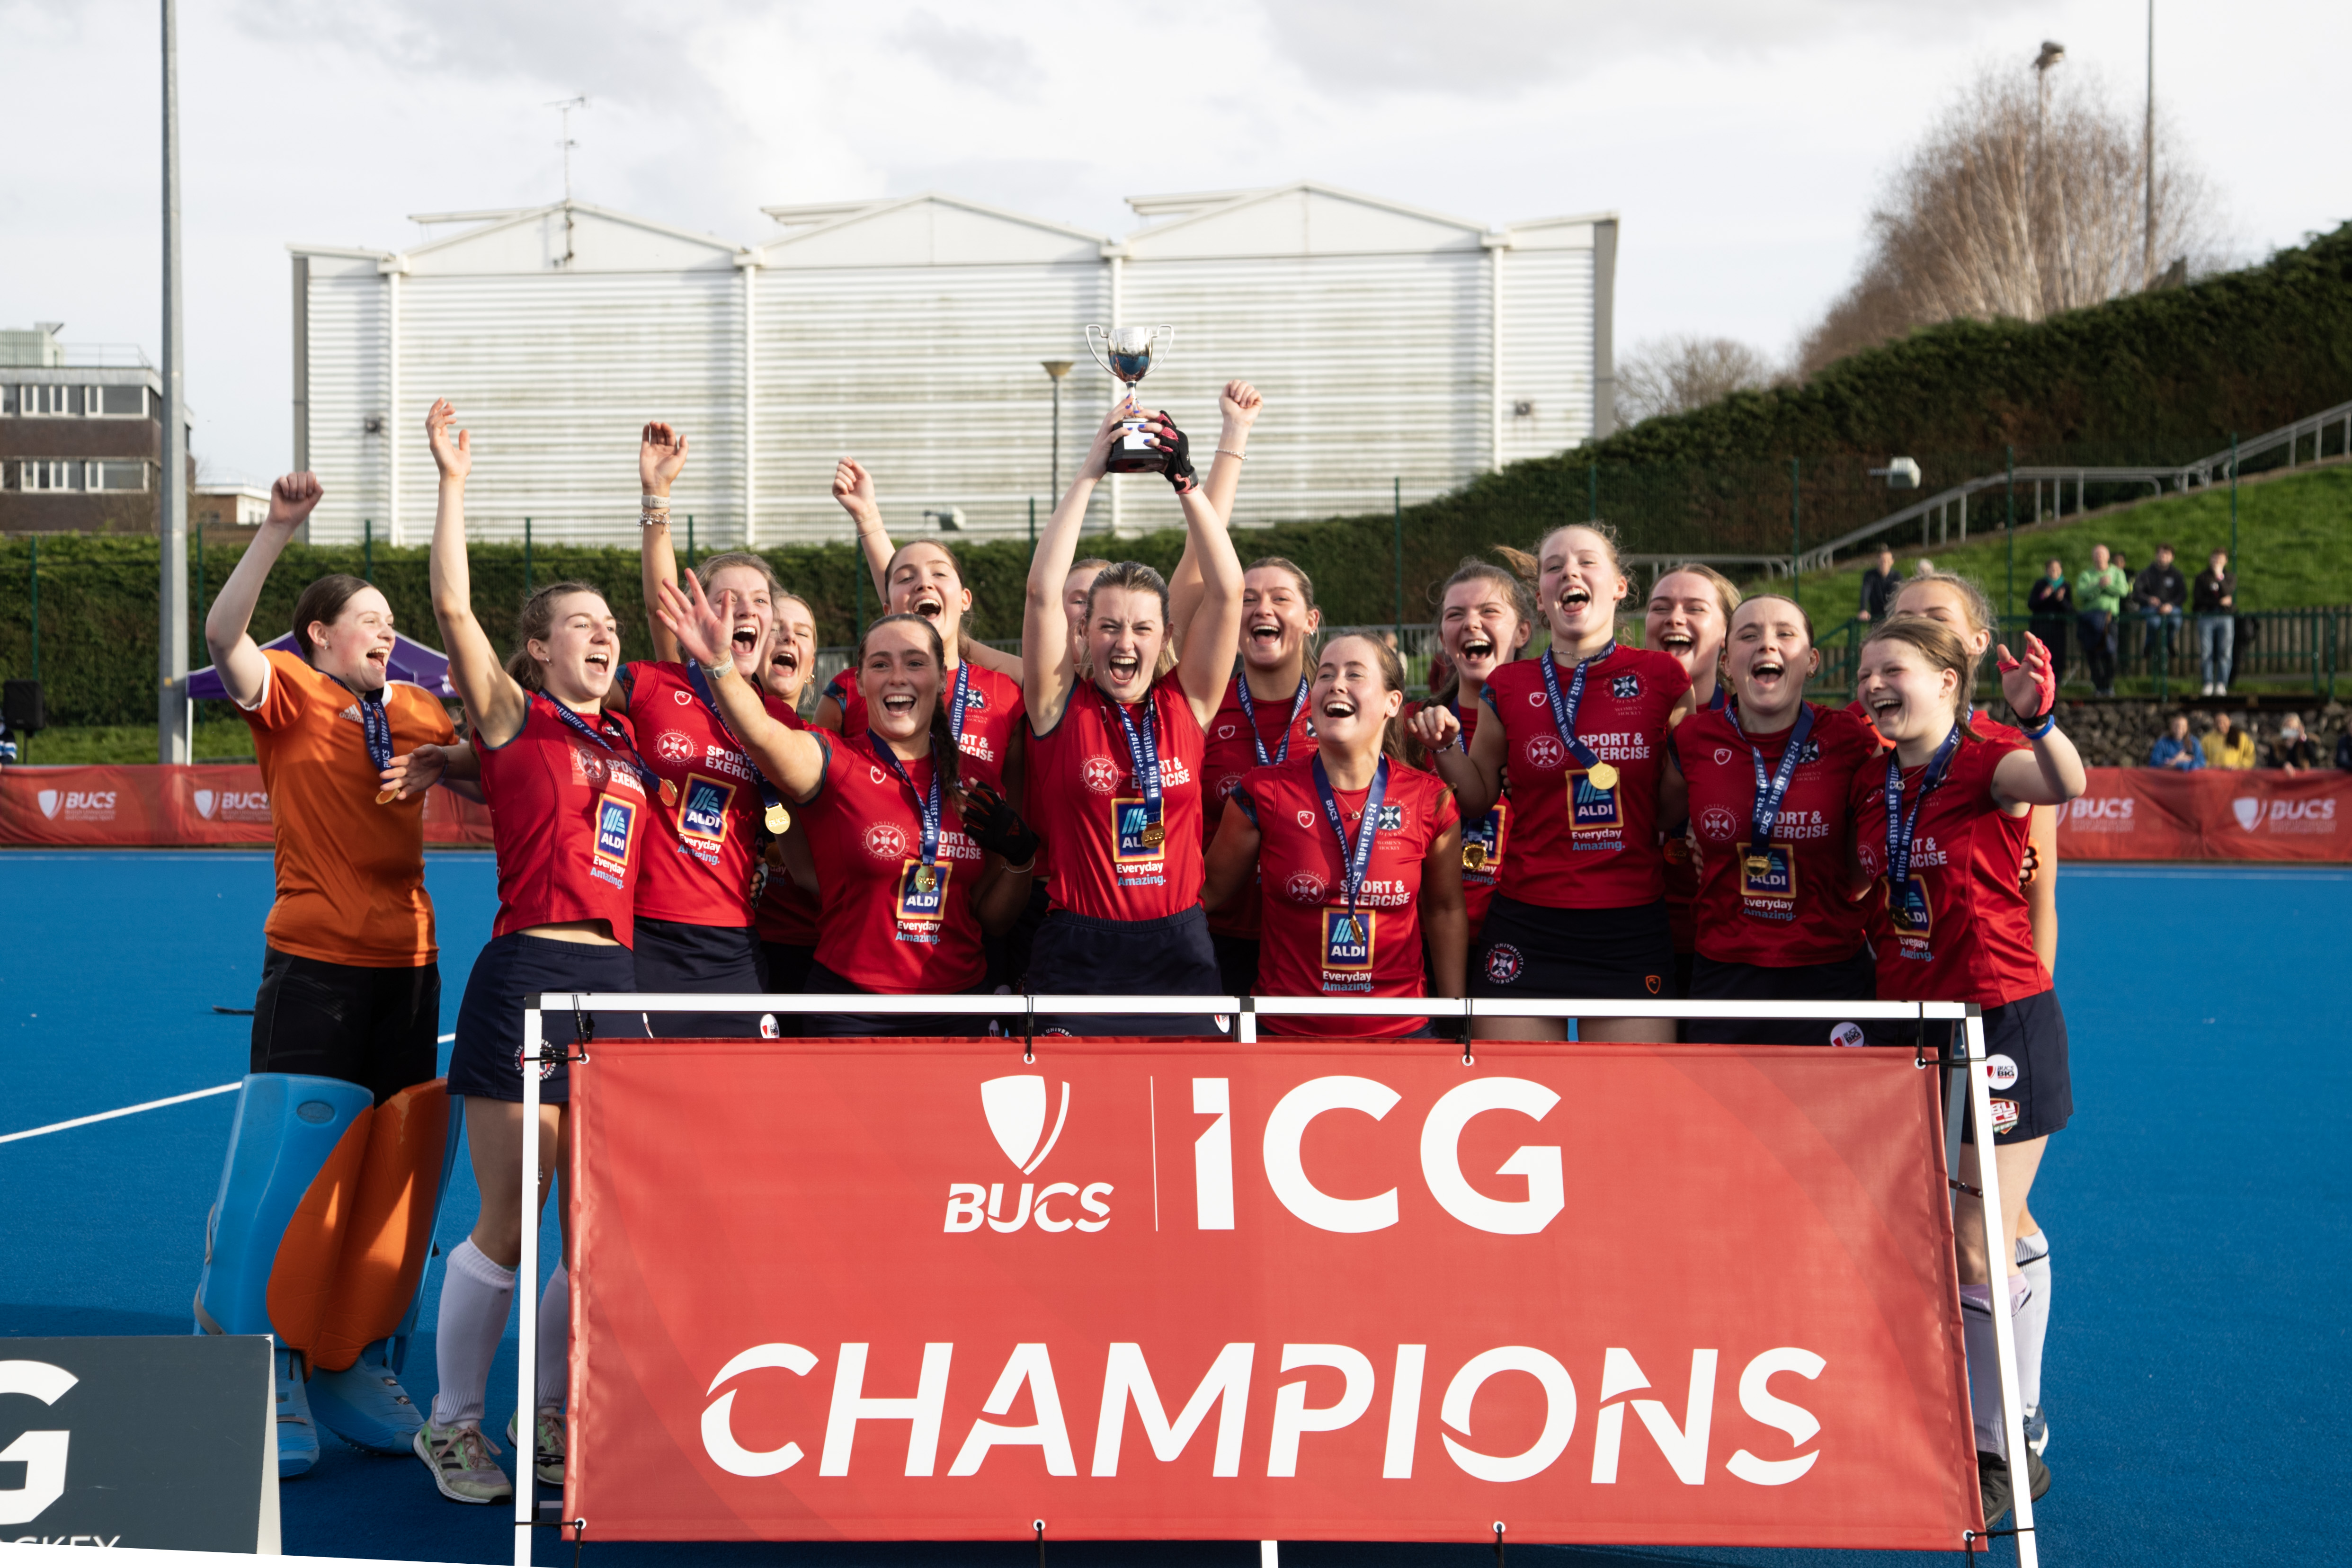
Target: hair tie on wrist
<point x="1229" y="452"/>
<point x="2034" y="729"/>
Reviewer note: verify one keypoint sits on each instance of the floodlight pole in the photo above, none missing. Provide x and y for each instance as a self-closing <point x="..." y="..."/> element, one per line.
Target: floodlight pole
<point x="172" y="716"/>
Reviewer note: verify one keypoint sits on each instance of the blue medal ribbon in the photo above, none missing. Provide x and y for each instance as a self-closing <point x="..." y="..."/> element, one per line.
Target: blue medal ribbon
<point x="956" y="707"/>
<point x="1249" y="712"/>
<point x="1564" y="707"/>
<point x="1143" y="754"/>
<point x="926" y="806"/>
<point x="1901" y="829"/>
<point x="1461" y="724"/>
<point x="1358" y="857"/>
<point x="378" y="725"/>
<point x="1770" y="791"/>
<point x="773" y="814"/>
<point x="622" y="751"/>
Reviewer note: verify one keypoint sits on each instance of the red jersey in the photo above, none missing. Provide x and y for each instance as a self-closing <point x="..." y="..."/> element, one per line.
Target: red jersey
<point x="1311" y="946"/>
<point x="1681" y="869"/>
<point x="785" y="915"/>
<point x="883" y="930"/>
<point x="1794" y="908"/>
<point x="567" y="818"/>
<point x="1962" y="933"/>
<point x="698" y="866"/>
<point x="1483" y="840"/>
<point x="1085" y="800"/>
<point x="1227" y="754"/>
<point x="1577" y="846"/>
<point x="992" y="718"/>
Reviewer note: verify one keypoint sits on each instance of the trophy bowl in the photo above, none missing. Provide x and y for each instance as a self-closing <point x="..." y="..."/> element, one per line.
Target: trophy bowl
<point x="1128" y="352"/>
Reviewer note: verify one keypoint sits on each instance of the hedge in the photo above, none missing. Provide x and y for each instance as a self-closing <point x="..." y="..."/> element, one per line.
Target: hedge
<point x="2157" y="377"/>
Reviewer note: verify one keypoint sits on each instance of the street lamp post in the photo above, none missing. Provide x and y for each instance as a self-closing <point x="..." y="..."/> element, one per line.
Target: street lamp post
<point x="1057" y="369"/>
<point x="172" y="720"/>
<point x="2052" y="53"/>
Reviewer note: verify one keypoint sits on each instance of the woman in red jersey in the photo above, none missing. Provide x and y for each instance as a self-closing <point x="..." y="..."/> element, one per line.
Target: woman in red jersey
<point x="570" y="804"/>
<point x="1485" y="616"/>
<point x="1354" y="856"/>
<point x="1690" y="608"/>
<point x="1943" y="824"/>
<point x="1581" y="909"/>
<point x="786" y="917"/>
<point x="1117" y="751"/>
<point x="913" y="865"/>
<point x="1959" y="603"/>
<point x="1769" y="779"/>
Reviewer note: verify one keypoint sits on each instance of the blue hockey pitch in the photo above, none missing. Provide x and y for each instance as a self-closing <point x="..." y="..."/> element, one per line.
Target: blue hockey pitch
<point x="2197" y="1373"/>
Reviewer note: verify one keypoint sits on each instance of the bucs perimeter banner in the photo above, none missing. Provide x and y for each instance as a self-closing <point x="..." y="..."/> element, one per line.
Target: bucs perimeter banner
<point x="924" y="1289"/>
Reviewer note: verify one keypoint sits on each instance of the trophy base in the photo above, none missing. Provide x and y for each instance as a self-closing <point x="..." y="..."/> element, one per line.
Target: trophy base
<point x="1135" y="454"/>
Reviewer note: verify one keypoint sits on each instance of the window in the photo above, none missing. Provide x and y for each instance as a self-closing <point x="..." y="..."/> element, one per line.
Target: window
<point x="118" y="475"/>
<point x="48" y="476"/>
<point x="45" y="399"/>
<point x="8" y="399"/>
<point x="118" y="401"/>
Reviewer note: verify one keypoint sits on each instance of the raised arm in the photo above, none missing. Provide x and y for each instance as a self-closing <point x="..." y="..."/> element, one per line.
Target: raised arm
<point x="1476" y="776"/>
<point x="1216" y="633"/>
<point x="495" y="704"/>
<point x="242" y="669"/>
<point x="853" y="487"/>
<point x="793" y="758"/>
<point x="661" y="454"/>
<point x="2052" y="773"/>
<point x="1237" y="409"/>
<point x="1046" y="668"/>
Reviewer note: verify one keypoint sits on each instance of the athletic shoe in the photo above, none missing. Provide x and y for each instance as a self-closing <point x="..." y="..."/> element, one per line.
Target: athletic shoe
<point x="2037" y="1475"/>
<point x="459" y="1458"/>
<point x="1993" y="1487"/>
<point x="547" y="1455"/>
<point x="365" y="1406"/>
<point x="297" y="1435"/>
<point x="2037" y="1431"/>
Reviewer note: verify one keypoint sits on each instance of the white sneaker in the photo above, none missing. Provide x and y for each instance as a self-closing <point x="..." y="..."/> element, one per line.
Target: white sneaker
<point x="547" y="1457"/>
<point x="459" y="1458"/>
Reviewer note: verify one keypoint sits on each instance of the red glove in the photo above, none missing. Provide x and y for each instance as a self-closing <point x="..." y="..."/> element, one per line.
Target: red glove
<point x="2045" y="678"/>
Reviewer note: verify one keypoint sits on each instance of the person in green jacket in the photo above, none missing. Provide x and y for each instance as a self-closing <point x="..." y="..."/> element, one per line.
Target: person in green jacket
<point x="2098" y="598"/>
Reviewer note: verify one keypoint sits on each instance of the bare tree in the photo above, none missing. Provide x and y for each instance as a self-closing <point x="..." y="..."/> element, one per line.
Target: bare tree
<point x="1675" y="375"/>
<point x="2019" y="202"/>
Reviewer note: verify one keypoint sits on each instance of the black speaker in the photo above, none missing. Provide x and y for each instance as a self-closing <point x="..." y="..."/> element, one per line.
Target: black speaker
<point x="23" y="709"/>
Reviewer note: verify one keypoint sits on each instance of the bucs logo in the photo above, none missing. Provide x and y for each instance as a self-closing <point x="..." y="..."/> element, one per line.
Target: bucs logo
<point x="1545" y="753"/>
<point x="673" y="747"/>
<point x="1304" y="888"/>
<point x="1716" y="825"/>
<point x="885" y="841"/>
<point x="1504" y="963"/>
<point x="1100" y="774"/>
<point x="1625" y="688"/>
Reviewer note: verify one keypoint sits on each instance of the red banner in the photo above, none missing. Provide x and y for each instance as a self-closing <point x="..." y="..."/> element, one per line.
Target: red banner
<point x="918" y="1291"/>
<point x="2212" y="813"/>
<point x="175" y="806"/>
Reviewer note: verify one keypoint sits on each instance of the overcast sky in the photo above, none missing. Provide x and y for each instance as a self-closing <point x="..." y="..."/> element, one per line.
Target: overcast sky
<point x="1740" y="140"/>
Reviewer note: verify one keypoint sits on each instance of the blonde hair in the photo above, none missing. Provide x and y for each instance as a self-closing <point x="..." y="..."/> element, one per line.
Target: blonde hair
<point x="1727" y="591"/>
<point x="713" y="564"/>
<point x="1515" y="577"/>
<point x="1598" y="530"/>
<point x="1137" y="576"/>
<point x="1776" y="598"/>
<point x="1938" y="644"/>
<point x="1975" y="602"/>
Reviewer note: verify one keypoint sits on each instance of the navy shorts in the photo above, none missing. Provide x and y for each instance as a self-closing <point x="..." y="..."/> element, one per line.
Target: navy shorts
<point x="1236" y="962"/>
<point x="486" y="1060"/>
<point x="1608" y="955"/>
<point x="2032" y="1086"/>
<point x="823" y="982"/>
<point x="785" y="966"/>
<point x="1853" y="980"/>
<point x="681" y="958"/>
<point x="1077" y="955"/>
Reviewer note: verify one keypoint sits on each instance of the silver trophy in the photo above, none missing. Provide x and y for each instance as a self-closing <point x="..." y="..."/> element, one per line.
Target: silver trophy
<point x="1128" y="352"/>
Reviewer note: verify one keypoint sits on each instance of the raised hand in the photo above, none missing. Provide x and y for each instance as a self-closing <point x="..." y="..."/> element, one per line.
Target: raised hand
<point x="453" y="457"/>
<point x="291" y="499"/>
<point x="1238" y="405"/>
<point x="704" y="630"/>
<point x="2031" y="685"/>
<point x="661" y="453"/>
<point x="853" y="487"/>
<point x="1107" y="435"/>
<point x="1434" y="725"/>
<point x="995" y="826"/>
<point x="1168" y="438"/>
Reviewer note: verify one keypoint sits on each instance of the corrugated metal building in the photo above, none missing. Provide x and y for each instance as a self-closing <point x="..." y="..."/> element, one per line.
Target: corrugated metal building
<point x="1391" y="344"/>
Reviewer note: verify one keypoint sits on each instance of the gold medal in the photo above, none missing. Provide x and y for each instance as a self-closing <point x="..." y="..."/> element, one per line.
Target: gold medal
<point x="1154" y="835"/>
<point x="668" y="793"/>
<point x="926" y="879"/>
<point x="778" y="819"/>
<point x="1603" y="774"/>
<point x="1760" y="865"/>
<point x="386" y="795"/>
<point x="1474" y="856"/>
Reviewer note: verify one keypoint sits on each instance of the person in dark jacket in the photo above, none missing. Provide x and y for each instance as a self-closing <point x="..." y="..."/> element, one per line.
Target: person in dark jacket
<point x="2050" y="602"/>
<point x="2159" y="593"/>
<point x="2215" y="598"/>
<point x="2291" y="748"/>
<point x="1878" y="585"/>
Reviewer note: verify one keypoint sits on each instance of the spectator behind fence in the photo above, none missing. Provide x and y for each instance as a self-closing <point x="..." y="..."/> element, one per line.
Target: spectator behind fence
<point x="2099" y="598"/>
<point x="2157" y="593"/>
<point x="2291" y="748"/>
<point x="2050" y="601"/>
<point x="1878" y="585"/>
<point x="2227" y="745"/>
<point x="2214" y="597"/>
<point x="2344" y="749"/>
<point x="2177" y="748"/>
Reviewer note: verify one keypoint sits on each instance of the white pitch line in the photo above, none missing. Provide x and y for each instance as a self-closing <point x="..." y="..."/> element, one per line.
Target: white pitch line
<point x="136" y="1109"/>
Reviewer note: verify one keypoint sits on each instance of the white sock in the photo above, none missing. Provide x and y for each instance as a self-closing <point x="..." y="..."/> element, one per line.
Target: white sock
<point x="2034" y="1322"/>
<point x="555" y="1340"/>
<point x="476" y="1295"/>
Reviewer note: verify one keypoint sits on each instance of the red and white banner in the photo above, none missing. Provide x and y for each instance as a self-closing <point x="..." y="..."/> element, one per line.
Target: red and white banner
<point x="171" y="806"/>
<point x="1137" y="1290"/>
<point x="2212" y="813"/>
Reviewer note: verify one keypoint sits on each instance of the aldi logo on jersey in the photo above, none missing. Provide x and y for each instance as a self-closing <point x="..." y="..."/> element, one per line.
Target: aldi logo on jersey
<point x="702" y="810"/>
<point x="1768" y="882"/>
<point x="1127" y="823"/>
<point x="1913" y="915"/>
<point x="616" y="827"/>
<point x="1590" y="808"/>
<point x="1482" y="844"/>
<point x="923" y="892"/>
<point x="1346" y="945"/>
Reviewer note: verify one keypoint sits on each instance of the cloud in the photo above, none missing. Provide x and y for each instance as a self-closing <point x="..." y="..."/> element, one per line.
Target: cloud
<point x="995" y="61"/>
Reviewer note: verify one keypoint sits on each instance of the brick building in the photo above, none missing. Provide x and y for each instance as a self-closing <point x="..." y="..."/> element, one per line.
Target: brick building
<point x="81" y="436"/>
